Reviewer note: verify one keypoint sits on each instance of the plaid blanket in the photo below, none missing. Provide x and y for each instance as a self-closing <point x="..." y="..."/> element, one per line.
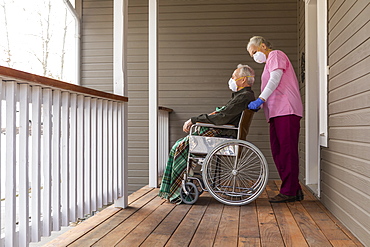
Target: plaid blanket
<point x="176" y="166"/>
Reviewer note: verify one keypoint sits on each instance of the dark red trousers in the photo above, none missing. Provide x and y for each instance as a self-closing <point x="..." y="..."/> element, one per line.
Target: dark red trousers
<point x="284" y="137"/>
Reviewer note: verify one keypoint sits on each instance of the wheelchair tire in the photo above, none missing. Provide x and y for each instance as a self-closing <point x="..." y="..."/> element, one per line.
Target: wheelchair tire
<point x="193" y="193"/>
<point x="235" y="172"/>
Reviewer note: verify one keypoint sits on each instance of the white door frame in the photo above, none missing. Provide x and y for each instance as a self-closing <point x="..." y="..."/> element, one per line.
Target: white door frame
<point x="316" y="89"/>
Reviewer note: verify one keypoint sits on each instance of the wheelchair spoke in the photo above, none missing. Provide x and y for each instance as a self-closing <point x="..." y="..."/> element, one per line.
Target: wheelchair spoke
<point x="235" y="172"/>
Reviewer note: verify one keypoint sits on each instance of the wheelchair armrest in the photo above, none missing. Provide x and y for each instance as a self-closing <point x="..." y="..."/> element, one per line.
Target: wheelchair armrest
<point x="225" y="126"/>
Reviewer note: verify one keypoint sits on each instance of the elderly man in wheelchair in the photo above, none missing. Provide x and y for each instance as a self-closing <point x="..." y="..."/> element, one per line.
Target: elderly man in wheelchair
<point x="215" y="155"/>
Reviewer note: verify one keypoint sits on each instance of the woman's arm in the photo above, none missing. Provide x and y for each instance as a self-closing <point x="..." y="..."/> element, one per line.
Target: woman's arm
<point x="272" y="84"/>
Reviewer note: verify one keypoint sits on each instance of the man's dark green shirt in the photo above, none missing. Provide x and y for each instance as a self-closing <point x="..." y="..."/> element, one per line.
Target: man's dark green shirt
<point x="231" y="112"/>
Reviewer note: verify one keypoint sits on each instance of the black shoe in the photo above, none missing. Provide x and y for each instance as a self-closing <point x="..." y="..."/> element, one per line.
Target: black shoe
<point x="299" y="196"/>
<point x="282" y="198"/>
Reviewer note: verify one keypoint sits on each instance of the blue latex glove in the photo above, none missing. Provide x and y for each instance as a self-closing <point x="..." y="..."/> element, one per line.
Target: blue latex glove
<point x="255" y="105"/>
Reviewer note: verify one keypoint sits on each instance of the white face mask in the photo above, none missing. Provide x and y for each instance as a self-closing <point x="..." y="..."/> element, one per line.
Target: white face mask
<point x="232" y="85"/>
<point x="259" y="57"/>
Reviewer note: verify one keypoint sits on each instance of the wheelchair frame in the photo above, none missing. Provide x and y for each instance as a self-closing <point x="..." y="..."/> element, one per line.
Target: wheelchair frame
<point x="233" y="171"/>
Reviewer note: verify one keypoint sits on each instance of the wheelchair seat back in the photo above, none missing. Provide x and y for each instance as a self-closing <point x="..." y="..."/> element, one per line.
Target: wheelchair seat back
<point x="244" y="124"/>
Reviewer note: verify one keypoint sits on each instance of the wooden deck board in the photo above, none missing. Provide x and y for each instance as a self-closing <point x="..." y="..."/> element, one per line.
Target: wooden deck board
<point x="227" y="234"/>
<point x="184" y="233"/>
<point x="147" y="226"/>
<point x="269" y="229"/>
<point x="206" y="232"/>
<point x="313" y="234"/>
<point x="163" y="232"/>
<point x="249" y="234"/>
<point x="152" y="221"/>
<point x="123" y="229"/>
<point x="289" y="229"/>
<point x="138" y="201"/>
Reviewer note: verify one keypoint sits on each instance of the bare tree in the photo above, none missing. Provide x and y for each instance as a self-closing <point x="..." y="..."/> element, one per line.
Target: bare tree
<point x="8" y="59"/>
<point x="63" y="45"/>
<point x="46" y="36"/>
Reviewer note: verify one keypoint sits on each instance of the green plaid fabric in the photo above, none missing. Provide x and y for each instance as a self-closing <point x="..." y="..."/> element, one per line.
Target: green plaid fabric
<point x="176" y="166"/>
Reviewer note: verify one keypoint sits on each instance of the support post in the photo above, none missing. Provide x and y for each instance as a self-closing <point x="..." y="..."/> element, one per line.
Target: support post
<point x="153" y="93"/>
<point x="120" y="87"/>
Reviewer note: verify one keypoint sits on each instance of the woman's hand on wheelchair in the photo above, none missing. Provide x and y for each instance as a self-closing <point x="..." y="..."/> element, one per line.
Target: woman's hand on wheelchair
<point x="187" y="125"/>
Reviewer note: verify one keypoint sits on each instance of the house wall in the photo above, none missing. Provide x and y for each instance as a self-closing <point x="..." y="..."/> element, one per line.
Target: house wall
<point x="200" y="45"/>
<point x="302" y="85"/>
<point x="97" y="45"/>
<point x="345" y="176"/>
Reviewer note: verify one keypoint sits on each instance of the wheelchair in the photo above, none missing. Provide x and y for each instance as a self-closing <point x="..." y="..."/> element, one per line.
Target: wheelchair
<point x="233" y="171"/>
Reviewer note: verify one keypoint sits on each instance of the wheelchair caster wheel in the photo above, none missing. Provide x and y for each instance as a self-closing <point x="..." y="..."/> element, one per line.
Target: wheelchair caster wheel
<point x="192" y="195"/>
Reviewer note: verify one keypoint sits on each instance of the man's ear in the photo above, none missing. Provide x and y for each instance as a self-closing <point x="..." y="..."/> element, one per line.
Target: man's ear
<point x="245" y="81"/>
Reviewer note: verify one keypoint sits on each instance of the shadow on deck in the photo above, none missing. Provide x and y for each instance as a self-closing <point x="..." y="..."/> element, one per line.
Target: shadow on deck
<point x="151" y="221"/>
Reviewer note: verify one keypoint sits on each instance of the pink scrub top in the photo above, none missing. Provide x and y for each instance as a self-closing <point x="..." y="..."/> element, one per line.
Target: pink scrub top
<point x="286" y="98"/>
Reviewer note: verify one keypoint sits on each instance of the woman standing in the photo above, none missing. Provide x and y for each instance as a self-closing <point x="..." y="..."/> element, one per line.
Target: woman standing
<point x="282" y="105"/>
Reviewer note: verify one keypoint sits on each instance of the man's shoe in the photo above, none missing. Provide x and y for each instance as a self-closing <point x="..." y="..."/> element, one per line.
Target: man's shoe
<point x="299" y="196"/>
<point x="282" y="198"/>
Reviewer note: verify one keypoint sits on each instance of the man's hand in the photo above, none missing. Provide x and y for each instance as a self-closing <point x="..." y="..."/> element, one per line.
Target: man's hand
<point x="254" y="105"/>
<point x="187" y="125"/>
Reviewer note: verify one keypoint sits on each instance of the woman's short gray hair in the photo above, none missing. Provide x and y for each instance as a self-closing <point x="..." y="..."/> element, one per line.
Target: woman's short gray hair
<point x="245" y="70"/>
<point x="257" y="41"/>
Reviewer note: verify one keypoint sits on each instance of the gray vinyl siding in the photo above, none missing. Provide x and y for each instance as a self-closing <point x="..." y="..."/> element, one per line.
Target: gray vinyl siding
<point x="97" y="45"/>
<point x="346" y="162"/>
<point x="138" y="118"/>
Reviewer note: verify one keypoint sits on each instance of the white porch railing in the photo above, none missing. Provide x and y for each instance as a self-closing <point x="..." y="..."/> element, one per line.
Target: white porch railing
<point x="163" y="138"/>
<point x="62" y="154"/>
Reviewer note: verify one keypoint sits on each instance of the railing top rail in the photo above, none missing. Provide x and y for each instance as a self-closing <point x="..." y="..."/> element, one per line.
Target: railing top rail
<point x="162" y="108"/>
<point x="21" y="76"/>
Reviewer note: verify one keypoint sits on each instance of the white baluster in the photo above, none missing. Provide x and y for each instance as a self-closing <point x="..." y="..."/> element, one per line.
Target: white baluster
<point x="110" y="151"/>
<point x="10" y="180"/>
<point x="105" y="152"/>
<point x="93" y="155"/>
<point x="24" y="225"/>
<point x="87" y="154"/>
<point x="56" y="160"/>
<point x="120" y="150"/>
<point x="99" y="153"/>
<point x="115" y="151"/>
<point x="46" y="160"/>
<point x="36" y="164"/>
<point x="80" y="157"/>
<point x="65" y="158"/>
<point x="73" y="160"/>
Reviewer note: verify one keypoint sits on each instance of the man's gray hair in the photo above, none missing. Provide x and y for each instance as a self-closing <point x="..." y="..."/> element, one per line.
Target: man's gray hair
<point x="245" y="70"/>
<point x="257" y="41"/>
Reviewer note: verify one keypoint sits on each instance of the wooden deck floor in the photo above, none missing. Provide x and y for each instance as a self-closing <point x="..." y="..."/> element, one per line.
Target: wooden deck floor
<point x="151" y="221"/>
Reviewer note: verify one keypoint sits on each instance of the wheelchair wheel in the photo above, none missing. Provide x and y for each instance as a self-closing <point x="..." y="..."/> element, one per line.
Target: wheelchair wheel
<point x="192" y="196"/>
<point x="235" y="172"/>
